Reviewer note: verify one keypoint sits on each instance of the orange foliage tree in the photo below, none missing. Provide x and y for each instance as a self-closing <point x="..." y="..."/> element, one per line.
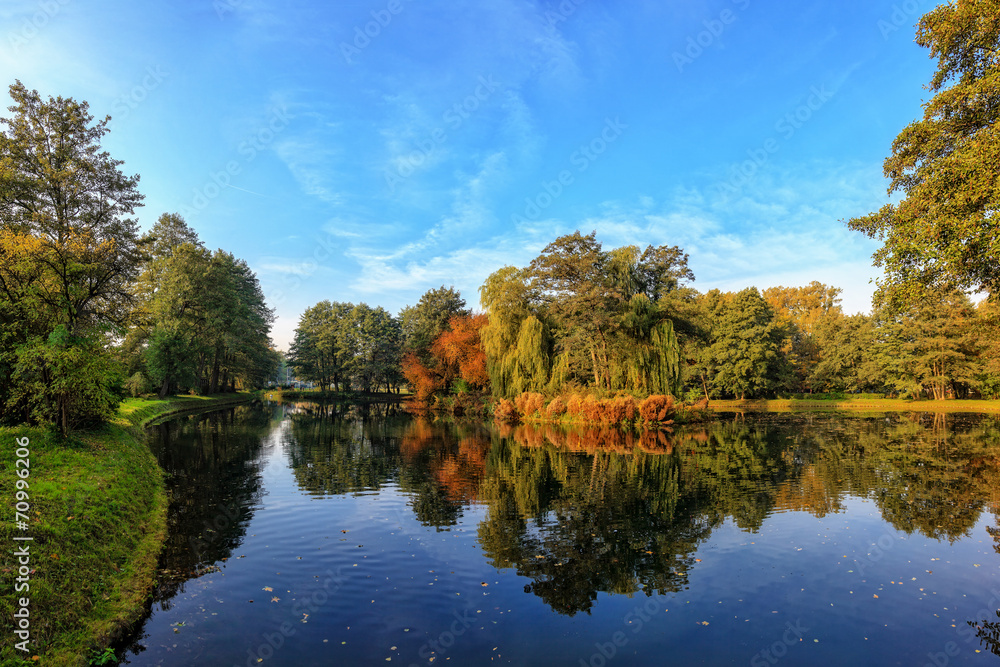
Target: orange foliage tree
<point x="456" y="354"/>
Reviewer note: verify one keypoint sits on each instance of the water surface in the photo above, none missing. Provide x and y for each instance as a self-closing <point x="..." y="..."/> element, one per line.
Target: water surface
<point x="331" y="535"/>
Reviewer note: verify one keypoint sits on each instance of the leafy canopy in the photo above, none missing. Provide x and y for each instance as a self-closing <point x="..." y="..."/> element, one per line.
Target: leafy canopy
<point x="944" y="232"/>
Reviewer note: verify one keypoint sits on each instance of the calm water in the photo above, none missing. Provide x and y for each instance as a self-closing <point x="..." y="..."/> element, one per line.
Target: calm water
<point x="307" y="535"/>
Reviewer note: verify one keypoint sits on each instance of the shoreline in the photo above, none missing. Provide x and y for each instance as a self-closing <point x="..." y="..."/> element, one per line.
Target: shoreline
<point x="983" y="406"/>
<point x="98" y="521"/>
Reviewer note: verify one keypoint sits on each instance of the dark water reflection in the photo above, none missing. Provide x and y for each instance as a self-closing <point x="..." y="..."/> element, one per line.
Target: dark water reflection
<point x="545" y="545"/>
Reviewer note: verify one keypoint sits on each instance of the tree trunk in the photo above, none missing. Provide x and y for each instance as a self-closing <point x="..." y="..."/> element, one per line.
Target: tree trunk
<point x="64" y="411"/>
<point x="214" y="385"/>
<point x="165" y="388"/>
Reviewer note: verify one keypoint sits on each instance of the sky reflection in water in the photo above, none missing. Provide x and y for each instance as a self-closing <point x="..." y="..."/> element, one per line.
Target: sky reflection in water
<point x="365" y="534"/>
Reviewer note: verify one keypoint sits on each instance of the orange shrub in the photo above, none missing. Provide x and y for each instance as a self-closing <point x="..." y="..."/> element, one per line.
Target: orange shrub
<point x="591" y="409"/>
<point x="657" y="408"/>
<point x="574" y="405"/>
<point x="505" y="411"/>
<point x="619" y="409"/>
<point x="529" y="403"/>
<point x="556" y="408"/>
<point x="629" y="407"/>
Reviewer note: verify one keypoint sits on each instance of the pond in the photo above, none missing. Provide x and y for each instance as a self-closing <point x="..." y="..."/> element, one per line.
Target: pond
<point x="334" y="535"/>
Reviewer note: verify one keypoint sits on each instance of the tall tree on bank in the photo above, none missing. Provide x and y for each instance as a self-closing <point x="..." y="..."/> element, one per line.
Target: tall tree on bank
<point x="581" y="314"/>
<point x="930" y="348"/>
<point x="944" y="232"/>
<point x="210" y="323"/>
<point x="745" y="354"/>
<point x="799" y="310"/>
<point x="71" y="253"/>
<point x="340" y="346"/>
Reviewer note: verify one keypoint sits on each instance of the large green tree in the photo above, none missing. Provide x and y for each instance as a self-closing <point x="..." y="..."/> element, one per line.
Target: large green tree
<point x="847" y="360"/>
<point x="745" y="355"/>
<point x="946" y="166"/>
<point x="931" y="347"/>
<point x="71" y="253"/>
<point x="342" y="346"/>
<point x="589" y="315"/>
<point x="210" y="323"/>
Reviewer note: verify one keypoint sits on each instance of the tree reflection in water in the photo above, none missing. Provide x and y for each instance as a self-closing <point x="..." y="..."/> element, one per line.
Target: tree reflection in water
<point x="581" y="511"/>
<point x="588" y="510"/>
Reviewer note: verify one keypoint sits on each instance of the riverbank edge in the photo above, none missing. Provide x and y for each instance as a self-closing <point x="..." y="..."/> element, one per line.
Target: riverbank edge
<point x="119" y="446"/>
<point x="348" y="397"/>
<point x="862" y="405"/>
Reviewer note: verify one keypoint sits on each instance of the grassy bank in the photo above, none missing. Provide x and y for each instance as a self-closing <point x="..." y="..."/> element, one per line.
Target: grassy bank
<point x="861" y="404"/>
<point x="98" y="520"/>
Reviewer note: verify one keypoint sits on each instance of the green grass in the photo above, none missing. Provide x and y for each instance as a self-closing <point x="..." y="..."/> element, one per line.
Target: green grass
<point x="98" y="519"/>
<point x="858" y="404"/>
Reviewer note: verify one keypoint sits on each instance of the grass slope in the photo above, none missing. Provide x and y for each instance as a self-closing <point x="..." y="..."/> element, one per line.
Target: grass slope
<point x="98" y="519"/>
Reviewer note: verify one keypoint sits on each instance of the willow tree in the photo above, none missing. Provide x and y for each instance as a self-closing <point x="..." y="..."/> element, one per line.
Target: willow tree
<point x="513" y="345"/>
<point x="946" y="166"/>
<point x="650" y="354"/>
<point x="581" y="313"/>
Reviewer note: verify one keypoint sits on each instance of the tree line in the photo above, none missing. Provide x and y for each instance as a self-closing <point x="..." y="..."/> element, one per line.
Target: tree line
<point x="90" y="308"/>
<point x="580" y="318"/>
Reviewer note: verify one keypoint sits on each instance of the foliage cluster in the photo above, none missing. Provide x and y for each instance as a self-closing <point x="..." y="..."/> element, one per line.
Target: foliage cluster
<point x="619" y="410"/>
<point x="86" y="302"/>
<point x="342" y="346"/>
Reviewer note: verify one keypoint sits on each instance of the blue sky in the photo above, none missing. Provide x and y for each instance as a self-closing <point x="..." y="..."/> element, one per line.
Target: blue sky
<point x="369" y="150"/>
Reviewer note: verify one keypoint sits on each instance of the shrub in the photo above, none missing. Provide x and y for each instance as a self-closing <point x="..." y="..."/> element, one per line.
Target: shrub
<point x="137" y="385"/>
<point x="657" y="408"/>
<point x="574" y="405"/>
<point x="506" y="412"/>
<point x="591" y="409"/>
<point x="529" y="403"/>
<point x="556" y="408"/>
<point x="619" y="409"/>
